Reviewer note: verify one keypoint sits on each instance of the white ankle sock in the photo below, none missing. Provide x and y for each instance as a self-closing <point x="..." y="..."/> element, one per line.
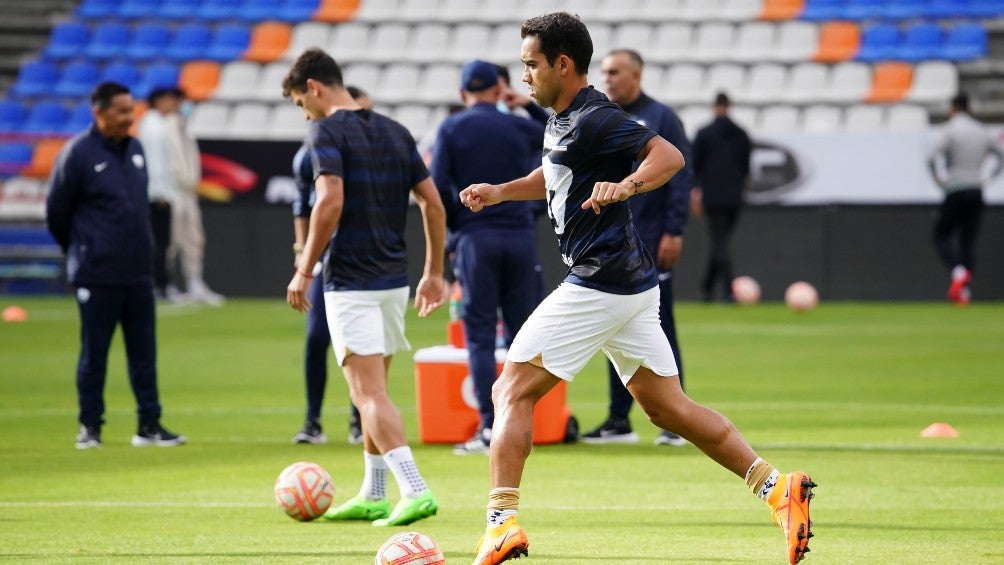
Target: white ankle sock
<point x="374" y="477"/>
<point x="402" y="464"/>
<point x="959" y="272"/>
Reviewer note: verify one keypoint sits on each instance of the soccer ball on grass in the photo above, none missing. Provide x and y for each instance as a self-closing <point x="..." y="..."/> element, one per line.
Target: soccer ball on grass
<point x="304" y="490"/>
<point x="409" y="548"/>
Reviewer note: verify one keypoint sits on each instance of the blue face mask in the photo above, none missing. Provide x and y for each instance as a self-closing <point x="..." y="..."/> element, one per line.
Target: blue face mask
<point x="502" y="107"/>
<point x="185" y="110"/>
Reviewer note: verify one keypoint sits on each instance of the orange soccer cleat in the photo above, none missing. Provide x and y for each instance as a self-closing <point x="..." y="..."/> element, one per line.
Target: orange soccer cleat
<point x="789" y="500"/>
<point x="501" y="543"/>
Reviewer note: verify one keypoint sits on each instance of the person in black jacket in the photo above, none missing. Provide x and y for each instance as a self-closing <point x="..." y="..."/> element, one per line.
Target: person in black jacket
<point x="98" y="212"/>
<point x="721" y="166"/>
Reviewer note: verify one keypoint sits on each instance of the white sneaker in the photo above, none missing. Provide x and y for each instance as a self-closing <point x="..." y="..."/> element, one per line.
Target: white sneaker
<point x="199" y="292"/>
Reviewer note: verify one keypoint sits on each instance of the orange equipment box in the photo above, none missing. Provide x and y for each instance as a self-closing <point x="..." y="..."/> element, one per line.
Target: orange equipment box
<point x="447" y="406"/>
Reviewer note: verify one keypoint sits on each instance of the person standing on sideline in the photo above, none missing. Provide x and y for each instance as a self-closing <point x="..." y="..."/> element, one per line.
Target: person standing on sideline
<point x="315" y="356"/>
<point x="964" y="144"/>
<point x="98" y="212"/>
<point x="365" y="167"/>
<point x="152" y="134"/>
<point x="609" y="300"/>
<point x="659" y="216"/>
<point x="496" y="259"/>
<point x="721" y="168"/>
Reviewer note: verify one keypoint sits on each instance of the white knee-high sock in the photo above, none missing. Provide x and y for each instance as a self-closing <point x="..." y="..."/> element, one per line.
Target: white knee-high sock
<point x="402" y="464"/>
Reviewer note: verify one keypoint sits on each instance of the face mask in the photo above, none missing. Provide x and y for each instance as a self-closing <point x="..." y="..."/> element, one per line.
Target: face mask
<point x="502" y="107"/>
<point x="185" y="110"/>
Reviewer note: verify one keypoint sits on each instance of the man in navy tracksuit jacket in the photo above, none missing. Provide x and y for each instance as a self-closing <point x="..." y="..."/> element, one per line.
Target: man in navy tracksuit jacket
<point x="496" y="250"/>
<point x="98" y="212"/>
<point x="659" y="216"/>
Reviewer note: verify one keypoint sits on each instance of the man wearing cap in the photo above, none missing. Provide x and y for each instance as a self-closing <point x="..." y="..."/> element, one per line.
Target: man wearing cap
<point x="496" y="250"/>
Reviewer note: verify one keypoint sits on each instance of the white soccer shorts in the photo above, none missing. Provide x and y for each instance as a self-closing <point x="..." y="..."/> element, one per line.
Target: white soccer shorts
<point x="573" y="322"/>
<point x="366" y="322"/>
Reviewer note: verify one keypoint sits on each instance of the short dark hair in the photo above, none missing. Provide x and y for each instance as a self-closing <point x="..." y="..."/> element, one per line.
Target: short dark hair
<point x="503" y="73"/>
<point x="722" y="99"/>
<point x="561" y="33"/>
<point x="102" y="95"/>
<point x="631" y="53"/>
<point x="162" y="91"/>
<point x="355" y="92"/>
<point x="314" y="64"/>
<point x="961" y="102"/>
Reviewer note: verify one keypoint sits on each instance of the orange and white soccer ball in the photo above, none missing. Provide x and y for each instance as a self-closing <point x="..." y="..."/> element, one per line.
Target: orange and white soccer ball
<point x="304" y="490"/>
<point x="746" y="290"/>
<point x="409" y="548"/>
<point x="801" y="296"/>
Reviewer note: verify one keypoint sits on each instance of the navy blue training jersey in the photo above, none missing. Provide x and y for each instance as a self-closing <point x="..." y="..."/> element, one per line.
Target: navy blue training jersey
<point x="303" y="177"/>
<point x="379" y="164"/>
<point x="593" y="140"/>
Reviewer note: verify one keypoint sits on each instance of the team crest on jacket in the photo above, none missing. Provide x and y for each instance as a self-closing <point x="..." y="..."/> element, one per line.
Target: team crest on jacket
<point x="137" y="160"/>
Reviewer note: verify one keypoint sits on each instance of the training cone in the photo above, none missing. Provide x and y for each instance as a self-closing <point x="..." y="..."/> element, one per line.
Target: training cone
<point x="14" y="314"/>
<point x="939" y="429"/>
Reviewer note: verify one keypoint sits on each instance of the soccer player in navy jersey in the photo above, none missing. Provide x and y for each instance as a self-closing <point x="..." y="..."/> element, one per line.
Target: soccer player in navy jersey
<point x="609" y="300"/>
<point x="365" y="167"/>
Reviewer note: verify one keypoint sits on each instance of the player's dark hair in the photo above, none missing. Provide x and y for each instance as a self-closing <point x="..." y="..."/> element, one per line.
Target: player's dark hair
<point x="961" y="102"/>
<point x="722" y="99"/>
<point x="503" y="72"/>
<point x="312" y="64"/>
<point x="561" y="33"/>
<point x="355" y="92"/>
<point x="102" y="95"/>
<point x="632" y="54"/>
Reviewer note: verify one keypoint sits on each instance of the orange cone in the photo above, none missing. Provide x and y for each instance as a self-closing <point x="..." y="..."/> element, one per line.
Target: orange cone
<point x="939" y="429"/>
<point x="14" y="314"/>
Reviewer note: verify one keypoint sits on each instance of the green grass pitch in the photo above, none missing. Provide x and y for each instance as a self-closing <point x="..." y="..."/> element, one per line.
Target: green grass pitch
<point x="842" y="392"/>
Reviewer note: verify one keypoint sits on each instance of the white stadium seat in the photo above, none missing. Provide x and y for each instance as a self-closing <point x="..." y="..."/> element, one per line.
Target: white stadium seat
<point x="745" y="116"/>
<point x="695" y="117"/>
<point x="864" y="118"/>
<point x="850" y="82"/>
<point x="363" y="75"/>
<point x="820" y="118"/>
<point x="934" y="82"/>
<point x="269" y="86"/>
<point x="419" y="10"/>
<point x="906" y="117"/>
<point x="724" y="77"/>
<point x="778" y="119"/>
<point x="673" y="43"/>
<point x="503" y="43"/>
<point x="754" y="42"/>
<point x="429" y="43"/>
<point x="796" y="41"/>
<point x="651" y="79"/>
<point x="636" y="36"/>
<point x="389" y="42"/>
<point x="398" y="84"/>
<point x="378" y="10"/>
<point x="238" y="81"/>
<point x="699" y="10"/>
<point x="439" y="84"/>
<point x="807" y="82"/>
<point x="248" y="120"/>
<point x="456" y="11"/>
<point x="307" y="35"/>
<point x="615" y="11"/>
<point x="683" y="84"/>
<point x="664" y="10"/>
<point x="765" y="84"/>
<point x="286" y="122"/>
<point x="713" y="42"/>
<point x="209" y="120"/>
<point x="415" y="117"/>
<point x="739" y="10"/>
<point x="349" y="41"/>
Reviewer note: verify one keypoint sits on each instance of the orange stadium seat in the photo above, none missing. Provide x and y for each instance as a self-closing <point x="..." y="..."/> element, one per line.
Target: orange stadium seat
<point x="269" y="42"/>
<point x="43" y="158"/>
<point x="838" y="41"/>
<point x="336" y="10"/>
<point x="781" y="9"/>
<point x="891" y="82"/>
<point x="199" y="79"/>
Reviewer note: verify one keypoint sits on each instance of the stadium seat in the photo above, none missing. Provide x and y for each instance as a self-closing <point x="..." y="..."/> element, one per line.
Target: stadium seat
<point x="398" y="84"/>
<point x="109" y="40"/>
<point x="864" y="118"/>
<point x="651" y="78"/>
<point x="77" y="80"/>
<point x="377" y="10"/>
<point x="305" y="36"/>
<point x="35" y="78"/>
<point x="821" y="10"/>
<point x="745" y="116"/>
<point x="415" y="117"/>
<point x="417" y="11"/>
<point x="218" y="10"/>
<point x="878" y="43"/>
<point x="724" y="77"/>
<point x="336" y="11"/>
<point x="229" y="42"/>
<point x="943" y="9"/>
<point x="296" y="11"/>
<point x="80" y="117"/>
<point x="739" y="10"/>
<point x="178" y="9"/>
<point x="671" y="43"/>
<point x="631" y="35"/>
<point x="779" y="10"/>
<point x="499" y="12"/>
<point x="209" y="120"/>
<point x="683" y="84"/>
<point x="754" y="42"/>
<point x="363" y="75"/>
<point x="248" y="120"/>
<point x="429" y="43"/>
<point x="439" y="84"/>
<point x="906" y="117"/>
<point x="663" y="10"/>
<point x="149" y="41"/>
<point x="820" y="118"/>
<point x="890" y="82"/>
<point x="965" y="42"/>
<point x="14" y="157"/>
<point x="796" y="42"/>
<point x="254" y="11"/>
<point x="350" y="41"/>
<point x="124" y="73"/>
<point x="602" y="36"/>
<point x="238" y="81"/>
<point x="199" y="79"/>
<point x="934" y="82"/>
<point x="12" y="116"/>
<point x="713" y="42"/>
<point x="766" y="84"/>
<point x="838" y="41"/>
<point x="807" y="82"/>
<point x="190" y="41"/>
<point x="697" y="11"/>
<point x="503" y="43"/>
<point x="68" y="39"/>
<point x="616" y="11"/>
<point x="97" y="9"/>
<point x="286" y="122"/>
<point x="45" y="119"/>
<point x="903" y="9"/>
<point x="269" y="87"/>
<point x="920" y="42"/>
<point x="137" y="9"/>
<point x="389" y="42"/>
<point x="695" y="117"/>
<point x="43" y="157"/>
<point x="985" y="8"/>
<point x="849" y="82"/>
<point x="774" y="119"/>
<point x="269" y="42"/>
<point x="156" y="75"/>
<point x="862" y="9"/>
<point x="457" y="11"/>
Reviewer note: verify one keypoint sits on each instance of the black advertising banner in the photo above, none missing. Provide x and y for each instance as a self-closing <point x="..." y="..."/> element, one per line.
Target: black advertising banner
<point x="247" y="172"/>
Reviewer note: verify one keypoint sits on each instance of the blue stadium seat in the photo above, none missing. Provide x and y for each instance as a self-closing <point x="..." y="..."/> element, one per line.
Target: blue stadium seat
<point x="878" y="43"/>
<point x="862" y="9"/>
<point x="903" y="9"/>
<point x="985" y="8"/>
<point x="178" y="9"/>
<point x="12" y="115"/>
<point x="45" y="118"/>
<point x="14" y="157"/>
<point x="821" y="9"/>
<point x="77" y="80"/>
<point x="229" y="42"/>
<point x="190" y="41"/>
<point x="920" y="42"/>
<point x="68" y="39"/>
<point x="946" y="8"/>
<point x="80" y="117"/>
<point x="109" y="40"/>
<point x="216" y="10"/>
<point x="149" y="41"/>
<point x="296" y="11"/>
<point x="259" y="10"/>
<point x="137" y="9"/>
<point x="156" y="75"/>
<point x="964" y="42"/>
<point x="98" y="9"/>
<point x="123" y="73"/>
<point x="35" y="78"/>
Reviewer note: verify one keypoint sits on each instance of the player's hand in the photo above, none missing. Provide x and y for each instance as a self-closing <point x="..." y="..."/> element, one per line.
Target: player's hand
<point x="429" y="294"/>
<point x="296" y="292"/>
<point x="514" y="99"/>
<point x="607" y="193"/>
<point x="669" y="251"/>
<point x="477" y="196"/>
